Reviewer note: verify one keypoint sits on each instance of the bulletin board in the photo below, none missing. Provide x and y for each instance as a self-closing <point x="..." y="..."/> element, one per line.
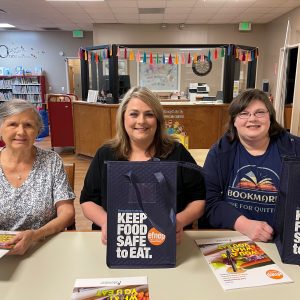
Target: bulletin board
<point x="159" y="77"/>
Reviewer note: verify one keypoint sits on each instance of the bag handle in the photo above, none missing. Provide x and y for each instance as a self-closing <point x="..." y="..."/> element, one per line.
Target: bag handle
<point x="189" y="165"/>
<point x="163" y="185"/>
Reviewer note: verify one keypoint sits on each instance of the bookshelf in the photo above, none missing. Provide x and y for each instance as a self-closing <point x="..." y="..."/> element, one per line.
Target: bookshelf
<point x="27" y="87"/>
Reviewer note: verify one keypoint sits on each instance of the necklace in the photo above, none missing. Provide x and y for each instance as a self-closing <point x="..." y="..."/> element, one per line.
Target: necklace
<point x="19" y="177"/>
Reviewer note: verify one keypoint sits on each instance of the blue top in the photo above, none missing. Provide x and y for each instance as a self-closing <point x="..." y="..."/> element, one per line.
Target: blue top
<point x="218" y="168"/>
<point x="254" y="183"/>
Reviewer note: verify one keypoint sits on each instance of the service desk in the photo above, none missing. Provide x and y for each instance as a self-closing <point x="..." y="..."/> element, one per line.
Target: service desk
<point x="48" y="271"/>
<point x="94" y="123"/>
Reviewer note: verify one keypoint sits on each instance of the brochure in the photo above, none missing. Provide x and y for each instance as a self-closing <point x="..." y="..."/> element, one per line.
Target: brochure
<point x="238" y="262"/>
<point x="123" y="288"/>
<point x="5" y="236"/>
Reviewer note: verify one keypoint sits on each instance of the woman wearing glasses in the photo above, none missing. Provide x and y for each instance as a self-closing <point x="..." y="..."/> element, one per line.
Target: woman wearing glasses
<point x="243" y="168"/>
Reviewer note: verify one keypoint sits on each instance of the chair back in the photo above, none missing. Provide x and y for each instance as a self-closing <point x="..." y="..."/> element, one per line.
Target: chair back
<point x="70" y="171"/>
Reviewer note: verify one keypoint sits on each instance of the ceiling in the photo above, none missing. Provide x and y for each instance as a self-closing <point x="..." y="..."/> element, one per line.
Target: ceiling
<point x="39" y="14"/>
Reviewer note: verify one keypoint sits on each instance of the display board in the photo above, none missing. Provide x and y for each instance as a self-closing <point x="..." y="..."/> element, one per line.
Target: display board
<point x="159" y="77"/>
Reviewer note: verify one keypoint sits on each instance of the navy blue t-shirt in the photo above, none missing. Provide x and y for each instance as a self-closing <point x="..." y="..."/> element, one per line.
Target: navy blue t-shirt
<point x="254" y="183"/>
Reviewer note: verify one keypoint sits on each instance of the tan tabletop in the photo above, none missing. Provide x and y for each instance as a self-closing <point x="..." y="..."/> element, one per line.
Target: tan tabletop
<point x="49" y="271"/>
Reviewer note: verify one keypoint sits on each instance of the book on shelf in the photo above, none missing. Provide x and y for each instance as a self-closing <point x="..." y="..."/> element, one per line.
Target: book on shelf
<point x="5" y="236"/>
<point x="122" y="288"/>
<point x="238" y="262"/>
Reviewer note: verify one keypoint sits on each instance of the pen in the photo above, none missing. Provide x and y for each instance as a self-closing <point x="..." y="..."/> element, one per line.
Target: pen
<point x="231" y="260"/>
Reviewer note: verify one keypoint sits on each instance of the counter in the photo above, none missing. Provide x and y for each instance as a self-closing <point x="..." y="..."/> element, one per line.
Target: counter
<point x="203" y="124"/>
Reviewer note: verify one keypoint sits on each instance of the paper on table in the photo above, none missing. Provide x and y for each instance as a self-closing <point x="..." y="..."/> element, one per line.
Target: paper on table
<point x="5" y="236"/>
<point x="238" y="262"/>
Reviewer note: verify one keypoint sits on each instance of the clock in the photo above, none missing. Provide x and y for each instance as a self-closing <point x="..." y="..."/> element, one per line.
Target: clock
<point x="3" y="51"/>
<point x="202" y="68"/>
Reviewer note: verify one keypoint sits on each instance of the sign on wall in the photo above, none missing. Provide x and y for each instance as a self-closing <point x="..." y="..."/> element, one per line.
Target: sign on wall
<point x="159" y="77"/>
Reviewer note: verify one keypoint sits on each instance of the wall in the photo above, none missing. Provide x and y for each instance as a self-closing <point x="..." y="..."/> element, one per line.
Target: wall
<point x="191" y="34"/>
<point x="275" y="33"/>
<point x="32" y="49"/>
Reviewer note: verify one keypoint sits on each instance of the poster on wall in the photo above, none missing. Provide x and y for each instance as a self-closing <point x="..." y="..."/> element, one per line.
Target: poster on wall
<point x="159" y="77"/>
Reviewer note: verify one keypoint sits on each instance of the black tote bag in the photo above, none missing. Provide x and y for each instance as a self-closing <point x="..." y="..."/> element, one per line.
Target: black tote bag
<point x="287" y="215"/>
<point x="141" y="213"/>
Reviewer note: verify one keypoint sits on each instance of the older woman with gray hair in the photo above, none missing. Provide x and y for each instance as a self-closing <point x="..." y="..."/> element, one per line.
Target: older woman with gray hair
<point x="35" y="197"/>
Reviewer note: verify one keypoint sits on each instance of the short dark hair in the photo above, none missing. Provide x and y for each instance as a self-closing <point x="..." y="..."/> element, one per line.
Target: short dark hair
<point x="241" y="102"/>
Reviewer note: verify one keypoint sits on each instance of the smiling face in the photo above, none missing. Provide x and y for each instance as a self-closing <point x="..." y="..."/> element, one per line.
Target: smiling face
<point x="19" y="131"/>
<point x="140" y="122"/>
<point x="253" y="129"/>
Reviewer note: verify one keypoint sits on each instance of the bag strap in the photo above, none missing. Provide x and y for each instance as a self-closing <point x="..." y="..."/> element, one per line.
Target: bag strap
<point x="161" y="181"/>
<point x="189" y="165"/>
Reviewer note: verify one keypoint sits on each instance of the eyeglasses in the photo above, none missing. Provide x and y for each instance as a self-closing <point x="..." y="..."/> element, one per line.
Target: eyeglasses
<point x="257" y="114"/>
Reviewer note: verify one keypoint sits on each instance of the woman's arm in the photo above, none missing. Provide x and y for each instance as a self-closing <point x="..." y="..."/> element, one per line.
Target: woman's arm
<point x="219" y="213"/>
<point x="65" y="217"/>
<point x="193" y="211"/>
<point x="97" y="215"/>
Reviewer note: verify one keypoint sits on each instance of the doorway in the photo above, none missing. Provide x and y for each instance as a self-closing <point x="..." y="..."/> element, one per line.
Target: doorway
<point x="73" y="74"/>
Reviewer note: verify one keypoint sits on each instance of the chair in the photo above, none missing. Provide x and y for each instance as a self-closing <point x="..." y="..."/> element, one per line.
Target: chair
<point x="70" y="171"/>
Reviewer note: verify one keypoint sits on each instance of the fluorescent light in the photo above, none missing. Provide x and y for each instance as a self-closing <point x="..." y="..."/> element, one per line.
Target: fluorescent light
<point x="6" y="25"/>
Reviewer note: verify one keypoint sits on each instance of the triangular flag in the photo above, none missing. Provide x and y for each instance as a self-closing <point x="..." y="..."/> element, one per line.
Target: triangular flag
<point x="145" y="58"/>
<point x="163" y="59"/>
<point x="157" y="58"/>
<point x="222" y="52"/>
<point x="189" y="58"/>
<point x="202" y="57"/>
<point x="209" y="55"/>
<point x="182" y="59"/>
<point x="176" y="59"/>
<point x="216" y="54"/>
<point x="170" y="62"/>
<point x="96" y="57"/>
<point x="118" y="52"/>
<point x="237" y="53"/>
<point x="195" y="58"/>
<point x="85" y="55"/>
<point x="125" y="53"/>
<point x="138" y="56"/>
<point x="110" y="52"/>
<point x="100" y="56"/>
<point x="244" y="56"/>
<point x="131" y="55"/>
<point x="151" y="59"/>
<point x="104" y="54"/>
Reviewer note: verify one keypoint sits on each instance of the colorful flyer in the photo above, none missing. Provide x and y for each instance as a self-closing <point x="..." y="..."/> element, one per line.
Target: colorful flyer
<point x="238" y="262"/>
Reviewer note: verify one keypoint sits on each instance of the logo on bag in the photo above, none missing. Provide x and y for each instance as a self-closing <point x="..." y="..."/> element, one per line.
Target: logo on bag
<point x="131" y="235"/>
<point x="155" y="237"/>
<point x="296" y="246"/>
<point x="274" y="274"/>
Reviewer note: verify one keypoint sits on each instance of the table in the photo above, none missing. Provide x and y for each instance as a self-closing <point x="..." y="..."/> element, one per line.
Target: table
<point x="49" y="271"/>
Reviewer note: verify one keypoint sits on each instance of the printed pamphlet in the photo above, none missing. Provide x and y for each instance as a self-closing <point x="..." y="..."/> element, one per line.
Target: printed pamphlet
<point x="238" y="262"/>
<point x="5" y="236"/>
<point x="123" y="288"/>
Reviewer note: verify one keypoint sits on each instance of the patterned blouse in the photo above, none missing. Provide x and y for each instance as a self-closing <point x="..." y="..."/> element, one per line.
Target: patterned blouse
<point x="32" y="205"/>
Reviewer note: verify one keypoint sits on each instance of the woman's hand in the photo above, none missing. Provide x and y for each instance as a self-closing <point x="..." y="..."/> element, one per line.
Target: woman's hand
<point x="179" y="231"/>
<point x="22" y="242"/>
<point x="258" y="231"/>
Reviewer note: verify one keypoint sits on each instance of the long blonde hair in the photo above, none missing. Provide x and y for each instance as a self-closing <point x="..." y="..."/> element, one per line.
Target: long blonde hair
<point x="162" y="143"/>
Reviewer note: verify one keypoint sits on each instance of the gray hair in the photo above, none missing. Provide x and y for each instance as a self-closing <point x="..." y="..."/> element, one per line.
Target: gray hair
<point x="17" y="106"/>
